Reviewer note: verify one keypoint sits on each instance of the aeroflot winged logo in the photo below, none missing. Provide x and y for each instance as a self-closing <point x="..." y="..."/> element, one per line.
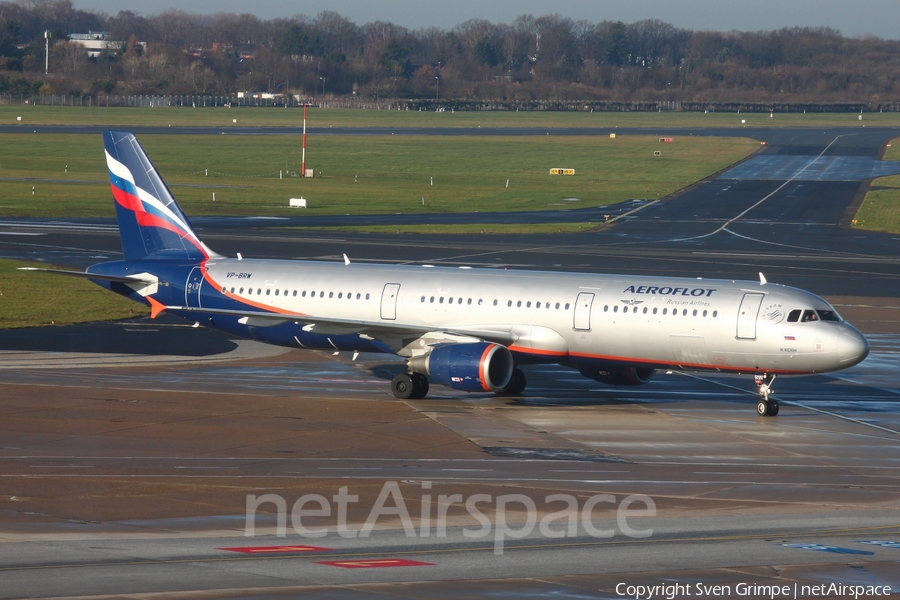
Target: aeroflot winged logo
<point x="669" y="291"/>
<point x="149" y="210"/>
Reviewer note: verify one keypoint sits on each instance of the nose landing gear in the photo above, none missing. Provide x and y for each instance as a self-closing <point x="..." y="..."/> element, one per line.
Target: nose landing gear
<point x="766" y="407"/>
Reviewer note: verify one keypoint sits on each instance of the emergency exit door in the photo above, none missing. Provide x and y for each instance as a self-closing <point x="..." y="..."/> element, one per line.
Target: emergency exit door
<point x="583" y="311"/>
<point x="389" y="301"/>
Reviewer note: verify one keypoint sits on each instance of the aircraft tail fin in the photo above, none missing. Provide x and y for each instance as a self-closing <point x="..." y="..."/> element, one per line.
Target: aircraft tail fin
<point x="151" y="224"/>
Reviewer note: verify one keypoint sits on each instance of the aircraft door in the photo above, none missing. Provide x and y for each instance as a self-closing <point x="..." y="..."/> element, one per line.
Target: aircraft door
<point x="192" y="287"/>
<point x="389" y="301"/>
<point x="746" y="322"/>
<point x="583" y="311"/>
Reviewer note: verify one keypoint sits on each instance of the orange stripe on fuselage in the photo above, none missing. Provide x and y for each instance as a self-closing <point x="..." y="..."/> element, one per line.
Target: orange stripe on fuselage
<point x="242" y="300"/>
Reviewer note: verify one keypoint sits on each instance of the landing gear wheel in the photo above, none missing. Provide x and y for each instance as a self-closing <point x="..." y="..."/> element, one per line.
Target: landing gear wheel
<point x="420" y="386"/>
<point x="516" y="384"/>
<point x="402" y="386"/>
<point x="767" y="408"/>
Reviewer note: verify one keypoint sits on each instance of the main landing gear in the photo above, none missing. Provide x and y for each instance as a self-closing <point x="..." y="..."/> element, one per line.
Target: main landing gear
<point x="409" y="386"/>
<point x="766" y="407"/>
<point x="414" y="386"/>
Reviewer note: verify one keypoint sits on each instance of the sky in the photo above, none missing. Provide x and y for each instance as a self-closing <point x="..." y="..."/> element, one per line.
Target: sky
<point x="852" y="17"/>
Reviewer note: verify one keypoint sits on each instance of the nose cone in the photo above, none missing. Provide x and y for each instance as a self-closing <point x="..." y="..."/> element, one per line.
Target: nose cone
<point x="852" y="347"/>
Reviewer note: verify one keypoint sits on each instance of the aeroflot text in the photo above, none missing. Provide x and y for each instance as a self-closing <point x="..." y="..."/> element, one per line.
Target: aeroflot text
<point x="669" y="291"/>
<point x="670" y="591"/>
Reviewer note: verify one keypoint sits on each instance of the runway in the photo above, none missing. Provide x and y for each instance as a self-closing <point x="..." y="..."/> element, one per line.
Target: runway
<point x="128" y="450"/>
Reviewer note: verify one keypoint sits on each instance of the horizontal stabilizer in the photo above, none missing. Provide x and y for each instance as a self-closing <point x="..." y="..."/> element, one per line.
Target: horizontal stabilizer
<point x="145" y="278"/>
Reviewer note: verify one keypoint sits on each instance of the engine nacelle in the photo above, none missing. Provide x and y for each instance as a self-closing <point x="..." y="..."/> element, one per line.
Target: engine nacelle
<point x="480" y="367"/>
<point x="629" y="376"/>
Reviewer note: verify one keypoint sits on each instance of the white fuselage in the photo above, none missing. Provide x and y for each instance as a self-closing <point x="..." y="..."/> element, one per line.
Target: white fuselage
<point x="662" y="322"/>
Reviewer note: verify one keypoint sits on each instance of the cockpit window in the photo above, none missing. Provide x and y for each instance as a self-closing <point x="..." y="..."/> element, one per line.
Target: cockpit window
<point x="794" y="316"/>
<point x="829" y="315"/>
<point x="808" y="316"/>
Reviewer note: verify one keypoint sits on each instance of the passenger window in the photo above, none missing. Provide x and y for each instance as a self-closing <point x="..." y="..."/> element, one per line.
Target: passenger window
<point x="528" y="304"/>
<point x="303" y="294"/>
<point x="509" y="303"/>
<point x="695" y="313"/>
<point x="450" y="300"/>
<point x="715" y="313"/>
<point x="557" y="306"/>
<point x="340" y="295"/>
<point x="423" y="299"/>
<point x="268" y="292"/>
<point x="441" y="300"/>
<point x="432" y="300"/>
<point x="704" y="313"/>
<point x="241" y="291"/>
<point x="277" y="292"/>
<point x="665" y="311"/>
<point x="459" y="300"/>
<point x="469" y="303"/>
<point x="519" y="304"/>
<point x="809" y="316"/>
<point x="606" y="308"/>
<point x="567" y="306"/>
<point x="294" y="294"/>
<point x="367" y="296"/>
<point x="624" y="309"/>
<point x="654" y="310"/>
<point x="479" y="302"/>
<point x="615" y="309"/>
<point x="358" y="296"/>
<point x="538" y="305"/>
<point x="645" y="310"/>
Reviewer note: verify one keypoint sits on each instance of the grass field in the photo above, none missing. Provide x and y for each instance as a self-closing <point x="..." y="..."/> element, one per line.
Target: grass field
<point x="880" y="211"/>
<point x="337" y="117"/>
<point x="361" y="174"/>
<point x="29" y="299"/>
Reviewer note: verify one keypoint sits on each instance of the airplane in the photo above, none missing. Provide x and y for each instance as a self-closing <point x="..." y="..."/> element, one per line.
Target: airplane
<point x="465" y="328"/>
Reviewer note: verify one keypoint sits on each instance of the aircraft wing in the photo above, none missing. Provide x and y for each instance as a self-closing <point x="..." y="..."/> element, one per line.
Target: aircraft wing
<point x="330" y="325"/>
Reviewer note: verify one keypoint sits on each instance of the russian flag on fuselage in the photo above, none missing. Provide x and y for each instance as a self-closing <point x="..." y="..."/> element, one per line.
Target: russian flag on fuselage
<point x="151" y="223"/>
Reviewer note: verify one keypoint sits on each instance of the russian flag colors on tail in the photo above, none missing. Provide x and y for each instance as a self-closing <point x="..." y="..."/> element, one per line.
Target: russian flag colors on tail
<point x="151" y="223"/>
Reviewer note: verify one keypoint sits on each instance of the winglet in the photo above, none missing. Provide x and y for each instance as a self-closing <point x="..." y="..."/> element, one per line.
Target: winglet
<point x="762" y="279"/>
<point x="156" y="307"/>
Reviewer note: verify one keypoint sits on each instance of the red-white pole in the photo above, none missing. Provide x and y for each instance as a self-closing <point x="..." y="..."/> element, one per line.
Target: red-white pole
<point x="303" y="162"/>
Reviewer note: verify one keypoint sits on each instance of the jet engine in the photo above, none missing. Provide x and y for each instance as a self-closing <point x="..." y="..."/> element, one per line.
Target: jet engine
<point x="478" y="367"/>
<point x="628" y="376"/>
